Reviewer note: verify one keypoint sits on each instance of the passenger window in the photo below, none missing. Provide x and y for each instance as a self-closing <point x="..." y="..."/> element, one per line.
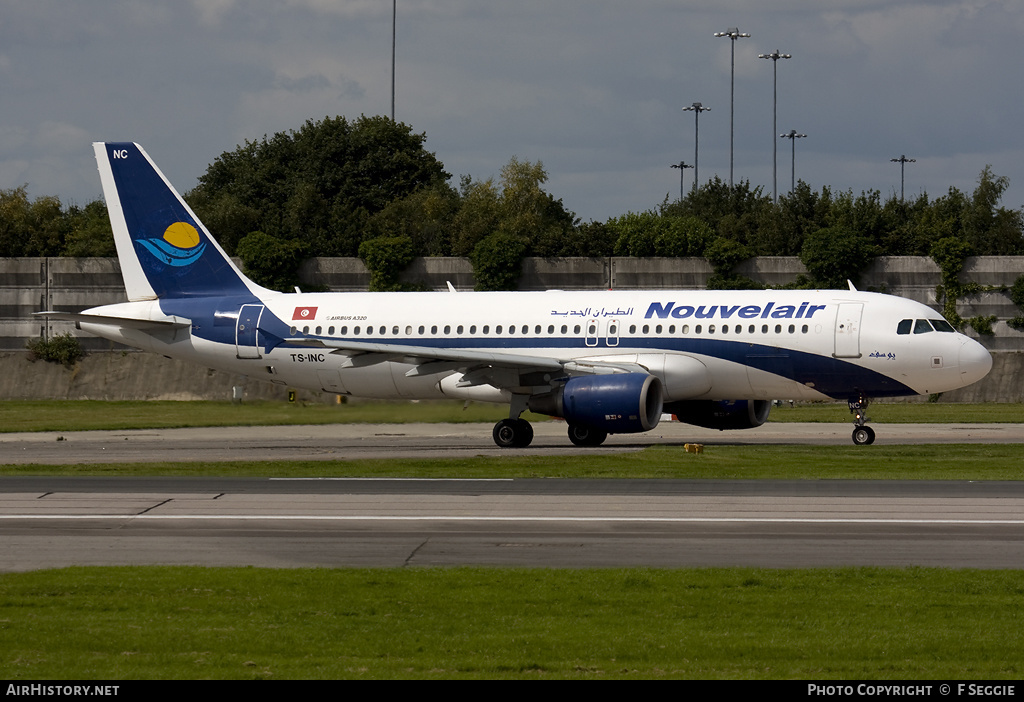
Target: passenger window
<point x="904" y="326"/>
<point x="551" y="329"/>
<point x="565" y="329"/>
<point x="697" y="329"/>
<point x="305" y="330"/>
<point x="646" y="329"/>
<point x="711" y="329"/>
<point x="487" y="329"/>
<point x="384" y="331"/>
<point x="343" y="331"/>
<point x="921" y="326"/>
<point x="576" y="329"/>
<point x="725" y="328"/>
<point x="632" y="329"/>
<point x="685" y="329"/>
<point x="369" y="331"/>
<point x="764" y="328"/>
<point x="293" y="330"/>
<point x="526" y="329"/>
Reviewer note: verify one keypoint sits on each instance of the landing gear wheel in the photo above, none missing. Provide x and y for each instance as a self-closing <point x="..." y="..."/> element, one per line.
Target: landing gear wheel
<point x="513" y="433"/>
<point x="585" y="436"/>
<point x="863" y="436"/>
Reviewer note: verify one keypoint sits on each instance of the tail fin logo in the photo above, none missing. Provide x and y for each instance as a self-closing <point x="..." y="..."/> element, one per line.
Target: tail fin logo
<point x="180" y="246"/>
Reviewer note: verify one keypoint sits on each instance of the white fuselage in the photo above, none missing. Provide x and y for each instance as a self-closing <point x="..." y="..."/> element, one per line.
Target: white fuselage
<point x="800" y="345"/>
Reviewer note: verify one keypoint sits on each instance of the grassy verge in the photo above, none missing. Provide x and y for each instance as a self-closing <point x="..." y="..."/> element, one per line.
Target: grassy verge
<point x="925" y="462"/>
<point x="80" y="415"/>
<point x="195" y="623"/>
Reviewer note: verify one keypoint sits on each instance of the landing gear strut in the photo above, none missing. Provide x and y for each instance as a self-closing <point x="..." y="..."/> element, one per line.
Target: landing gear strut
<point x="863" y="435"/>
<point x="513" y="433"/>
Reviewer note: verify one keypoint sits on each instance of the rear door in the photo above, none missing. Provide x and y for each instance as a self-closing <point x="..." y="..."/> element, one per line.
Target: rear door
<point x="246" y="336"/>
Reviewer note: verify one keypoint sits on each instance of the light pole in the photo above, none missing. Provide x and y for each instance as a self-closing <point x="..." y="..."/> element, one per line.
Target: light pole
<point x="696" y="108"/>
<point x="775" y="116"/>
<point x="394" y="23"/>
<point x="902" y="160"/>
<point x="733" y="33"/>
<point x="682" y="166"/>
<point x="793" y="135"/>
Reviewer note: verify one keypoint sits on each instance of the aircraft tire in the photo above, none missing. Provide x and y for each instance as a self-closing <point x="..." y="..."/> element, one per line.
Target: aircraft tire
<point x="863" y="436"/>
<point x="585" y="436"/>
<point x="513" y="433"/>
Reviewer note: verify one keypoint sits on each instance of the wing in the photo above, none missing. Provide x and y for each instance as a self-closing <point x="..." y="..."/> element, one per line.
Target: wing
<point x="508" y="371"/>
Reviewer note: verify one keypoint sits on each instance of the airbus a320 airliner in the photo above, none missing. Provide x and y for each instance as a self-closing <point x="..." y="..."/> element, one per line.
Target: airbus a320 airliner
<point x="607" y="362"/>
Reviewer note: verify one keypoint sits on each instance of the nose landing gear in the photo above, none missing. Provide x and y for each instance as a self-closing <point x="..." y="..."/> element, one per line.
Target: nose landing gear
<point x="863" y="435"/>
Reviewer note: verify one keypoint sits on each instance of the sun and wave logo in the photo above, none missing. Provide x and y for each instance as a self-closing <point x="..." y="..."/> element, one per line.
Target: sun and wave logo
<point x="180" y="245"/>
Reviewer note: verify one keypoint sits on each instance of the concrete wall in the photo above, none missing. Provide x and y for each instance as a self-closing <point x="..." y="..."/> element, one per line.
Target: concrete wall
<point x="29" y="285"/>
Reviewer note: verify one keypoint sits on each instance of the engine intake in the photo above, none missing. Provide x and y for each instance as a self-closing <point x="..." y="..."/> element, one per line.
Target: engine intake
<point x="622" y="403"/>
<point x="721" y="414"/>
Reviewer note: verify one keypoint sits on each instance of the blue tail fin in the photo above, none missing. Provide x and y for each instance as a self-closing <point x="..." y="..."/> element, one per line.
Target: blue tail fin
<point x="164" y="250"/>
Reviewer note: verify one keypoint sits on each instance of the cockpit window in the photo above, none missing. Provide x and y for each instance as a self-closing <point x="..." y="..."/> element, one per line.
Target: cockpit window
<point x="921" y="326"/>
<point x="942" y="325"/>
<point x="904" y="326"/>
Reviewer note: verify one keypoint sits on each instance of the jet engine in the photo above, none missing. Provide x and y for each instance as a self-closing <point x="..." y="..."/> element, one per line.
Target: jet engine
<point x="721" y="414"/>
<point x="622" y="403"/>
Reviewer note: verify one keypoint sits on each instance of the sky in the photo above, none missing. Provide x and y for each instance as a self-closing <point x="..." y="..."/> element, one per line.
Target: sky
<point x="594" y="89"/>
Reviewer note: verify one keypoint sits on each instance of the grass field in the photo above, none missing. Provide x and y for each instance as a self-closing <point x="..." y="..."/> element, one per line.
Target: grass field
<point x="732" y="623"/>
<point x="879" y="462"/>
<point x="736" y="623"/>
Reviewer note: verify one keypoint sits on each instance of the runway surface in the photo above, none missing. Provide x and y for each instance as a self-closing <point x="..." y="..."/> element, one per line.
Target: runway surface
<point x="56" y="522"/>
<point x="347" y="441"/>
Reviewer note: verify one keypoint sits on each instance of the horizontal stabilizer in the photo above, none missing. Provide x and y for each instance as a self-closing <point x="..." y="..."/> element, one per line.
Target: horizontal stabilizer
<point x="128" y="322"/>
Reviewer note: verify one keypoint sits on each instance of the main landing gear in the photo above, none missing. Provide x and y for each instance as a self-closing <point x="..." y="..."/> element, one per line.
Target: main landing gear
<point x="863" y="435"/>
<point x="513" y="433"/>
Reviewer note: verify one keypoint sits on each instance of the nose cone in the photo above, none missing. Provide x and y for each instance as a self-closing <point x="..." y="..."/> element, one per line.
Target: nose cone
<point x="975" y="362"/>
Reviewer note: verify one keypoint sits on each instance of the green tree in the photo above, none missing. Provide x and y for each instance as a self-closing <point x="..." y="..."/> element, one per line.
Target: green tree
<point x="836" y="254"/>
<point x="386" y="257"/>
<point x="90" y="233"/>
<point x="31" y="227"/>
<point x="319" y="185"/>
<point x="497" y="261"/>
<point x="271" y="262"/>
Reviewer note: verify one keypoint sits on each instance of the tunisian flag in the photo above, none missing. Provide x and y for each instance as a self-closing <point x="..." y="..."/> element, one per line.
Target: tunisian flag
<point x="304" y="313"/>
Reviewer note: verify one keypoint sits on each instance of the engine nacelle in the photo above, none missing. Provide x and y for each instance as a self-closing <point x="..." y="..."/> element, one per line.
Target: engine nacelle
<point x="620" y="403"/>
<point x="721" y="414"/>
